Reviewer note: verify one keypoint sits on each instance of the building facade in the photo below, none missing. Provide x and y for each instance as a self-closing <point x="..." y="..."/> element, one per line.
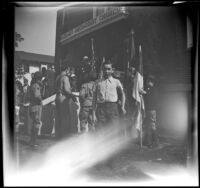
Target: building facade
<point x="162" y="33"/>
<point x="166" y="35"/>
<point x="31" y="62"/>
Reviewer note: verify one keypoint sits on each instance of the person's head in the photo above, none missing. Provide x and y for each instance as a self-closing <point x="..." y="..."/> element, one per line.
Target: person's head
<point x="25" y="81"/>
<point x="85" y="58"/>
<point x="131" y="72"/>
<point x="150" y="80"/>
<point x="32" y="75"/>
<point x="86" y="61"/>
<point x="65" y="69"/>
<point x="107" y="69"/>
<point x="44" y="71"/>
<point x="37" y="76"/>
<point x="72" y="70"/>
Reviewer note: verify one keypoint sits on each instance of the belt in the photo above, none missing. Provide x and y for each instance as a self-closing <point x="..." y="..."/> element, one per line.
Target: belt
<point x="61" y="93"/>
<point x="107" y="102"/>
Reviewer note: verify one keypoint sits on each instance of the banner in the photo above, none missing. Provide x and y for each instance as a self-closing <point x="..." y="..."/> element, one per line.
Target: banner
<point x="138" y="92"/>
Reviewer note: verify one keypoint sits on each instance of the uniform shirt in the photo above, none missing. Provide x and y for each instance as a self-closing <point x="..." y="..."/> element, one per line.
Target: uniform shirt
<point x="106" y="90"/>
<point x="26" y="93"/>
<point x="63" y="84"/>
<point x="35" y="94"/>
<point x="87" y="93"/>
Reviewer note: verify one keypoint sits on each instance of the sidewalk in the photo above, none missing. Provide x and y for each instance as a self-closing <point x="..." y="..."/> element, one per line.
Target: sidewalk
<point x="130" y="164"/>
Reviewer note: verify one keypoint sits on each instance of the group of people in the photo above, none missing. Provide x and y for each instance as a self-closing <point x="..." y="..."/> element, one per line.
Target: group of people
<point x="28" y="101"/>
<point x="103" y="101"/>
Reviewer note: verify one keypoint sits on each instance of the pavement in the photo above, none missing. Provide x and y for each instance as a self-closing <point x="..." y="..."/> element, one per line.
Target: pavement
<point x="132" y="163"/>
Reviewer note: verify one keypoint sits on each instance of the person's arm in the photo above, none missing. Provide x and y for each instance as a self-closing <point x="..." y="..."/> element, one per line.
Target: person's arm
<point x="142" y="91"/>
<point x="66" y="86"/>
<point x="94" y="102"/>
<point x="67" y="89"/>
<point x="123" y="97"/>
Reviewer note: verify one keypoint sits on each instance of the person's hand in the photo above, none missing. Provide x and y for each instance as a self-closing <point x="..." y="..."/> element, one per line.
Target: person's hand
<point x="143" y="92"/>
<point x="74" y="99"/>
<point x="123" y="111"/>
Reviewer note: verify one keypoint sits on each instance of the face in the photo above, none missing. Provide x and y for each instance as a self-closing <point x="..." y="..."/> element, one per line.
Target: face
<point x="132" y="74"/>
<point x="107" y="70"/>
<point x="67" y="71"/>
<point x="150" y="83"/>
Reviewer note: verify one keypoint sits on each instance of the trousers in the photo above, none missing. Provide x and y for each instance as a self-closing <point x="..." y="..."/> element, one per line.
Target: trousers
<point x="107" y="114"/>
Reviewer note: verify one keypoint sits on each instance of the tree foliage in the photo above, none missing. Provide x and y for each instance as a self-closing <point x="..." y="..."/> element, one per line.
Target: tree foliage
<point x="18" y="38"/>
<point x="18" y="65"/>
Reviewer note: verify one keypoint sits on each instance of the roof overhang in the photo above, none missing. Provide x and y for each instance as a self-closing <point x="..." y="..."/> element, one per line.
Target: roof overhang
<point x="114" y="14"/>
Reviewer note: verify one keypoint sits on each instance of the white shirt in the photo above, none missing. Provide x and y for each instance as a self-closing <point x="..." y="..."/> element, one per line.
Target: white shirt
<point x="107" y="90"/>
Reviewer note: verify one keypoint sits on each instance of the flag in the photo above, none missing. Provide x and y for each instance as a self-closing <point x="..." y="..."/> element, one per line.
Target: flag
<point x="92" y="47"/>
<point x="101" y="69"/>
<point x="132" y="46"/>
<point x="93" y="56"/>
<point x="136" y="93"/>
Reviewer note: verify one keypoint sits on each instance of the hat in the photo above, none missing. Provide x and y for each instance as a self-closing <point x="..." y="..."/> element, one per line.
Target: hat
<point x="73" y="76"/>
<point x="85" y="57"/>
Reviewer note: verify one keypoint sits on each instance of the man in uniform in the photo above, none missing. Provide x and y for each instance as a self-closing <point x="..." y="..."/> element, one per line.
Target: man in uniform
<point x="35" y="108"/>
<point x="63" y="96"/>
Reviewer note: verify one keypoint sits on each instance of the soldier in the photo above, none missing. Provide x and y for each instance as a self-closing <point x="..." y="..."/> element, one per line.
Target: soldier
<point x="35" y="108"/>
<point x="63" y="96"/>
<point x="86" y="103"/>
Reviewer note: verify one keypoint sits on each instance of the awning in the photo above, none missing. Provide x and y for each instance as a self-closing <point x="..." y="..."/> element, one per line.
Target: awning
<point x="111" y="16"/>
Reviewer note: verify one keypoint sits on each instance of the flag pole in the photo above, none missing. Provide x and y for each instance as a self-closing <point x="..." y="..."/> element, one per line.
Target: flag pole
<point x="141" y="118"/>
<point x="93" y="56"/>
<point x="141" y="144"/>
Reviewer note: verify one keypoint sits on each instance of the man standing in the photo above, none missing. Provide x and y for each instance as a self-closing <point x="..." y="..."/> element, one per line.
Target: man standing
<point x="107" y="95"/>
<point x="35" y="108"/>
<point x="63" y="96"/>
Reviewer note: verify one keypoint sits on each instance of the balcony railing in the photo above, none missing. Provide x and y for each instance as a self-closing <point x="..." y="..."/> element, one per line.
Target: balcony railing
<point x="111" y="15"/>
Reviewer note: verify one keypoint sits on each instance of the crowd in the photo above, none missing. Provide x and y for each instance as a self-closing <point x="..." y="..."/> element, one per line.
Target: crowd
<point x="99" y="101"/>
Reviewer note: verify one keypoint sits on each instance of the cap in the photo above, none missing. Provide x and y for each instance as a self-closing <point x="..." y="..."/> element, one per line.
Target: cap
<point x="85" y="57"/>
